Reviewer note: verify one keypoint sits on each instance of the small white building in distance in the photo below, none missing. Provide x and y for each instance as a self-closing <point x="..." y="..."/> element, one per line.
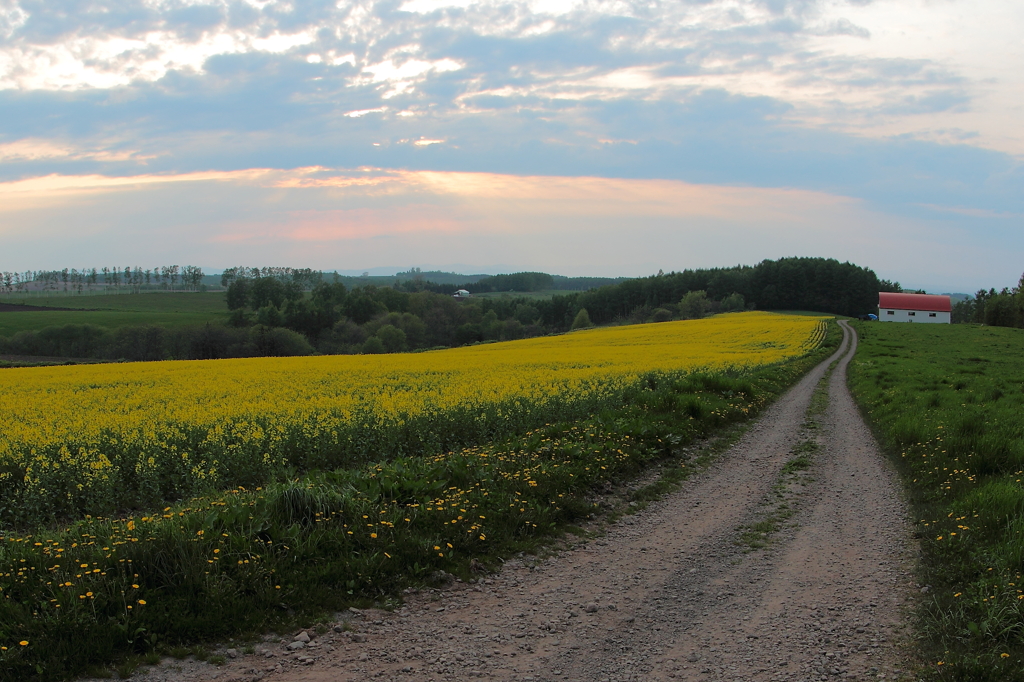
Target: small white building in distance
<point x="913" y="308"/>
<point x="460" y="294"/>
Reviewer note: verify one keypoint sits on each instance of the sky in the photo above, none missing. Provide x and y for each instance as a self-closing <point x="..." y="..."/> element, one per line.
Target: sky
<point x="578" y="137"/>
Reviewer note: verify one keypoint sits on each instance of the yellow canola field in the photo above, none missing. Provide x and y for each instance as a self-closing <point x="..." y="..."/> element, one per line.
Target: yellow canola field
<point x="82" y="438"/>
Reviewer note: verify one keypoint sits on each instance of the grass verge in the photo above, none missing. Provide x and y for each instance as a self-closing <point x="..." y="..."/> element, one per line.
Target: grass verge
<point x="946" y="402"/>
<point x="106" y="591"/>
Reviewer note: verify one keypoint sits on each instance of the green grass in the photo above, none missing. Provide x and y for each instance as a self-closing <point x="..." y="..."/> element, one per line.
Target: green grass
<point x="541" y="295"/>
<point x="14" y="322"/>
<point x="948" y="404"/>
<point x="306" y="544"/>
<point x="170" y="302"/>
<point x="115" y="310"/>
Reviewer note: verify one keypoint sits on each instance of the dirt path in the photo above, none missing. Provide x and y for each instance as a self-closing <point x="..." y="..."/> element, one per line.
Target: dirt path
<point x="668" y="593"/>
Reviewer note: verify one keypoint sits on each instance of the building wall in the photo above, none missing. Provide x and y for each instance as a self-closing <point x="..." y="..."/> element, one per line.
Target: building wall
<point x="891" y="315"/>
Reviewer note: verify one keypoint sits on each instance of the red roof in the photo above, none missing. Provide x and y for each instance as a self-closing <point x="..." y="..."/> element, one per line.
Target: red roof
<point x="928" y="302"/>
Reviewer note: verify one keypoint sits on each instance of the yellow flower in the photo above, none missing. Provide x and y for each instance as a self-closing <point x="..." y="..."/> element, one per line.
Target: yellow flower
<point x="23" y="642"/>
<point x="142" y="601"/>
<point x="373" y="535"/>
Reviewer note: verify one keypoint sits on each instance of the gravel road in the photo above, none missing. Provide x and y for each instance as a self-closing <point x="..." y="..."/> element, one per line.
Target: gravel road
<point x="673" y="592"/>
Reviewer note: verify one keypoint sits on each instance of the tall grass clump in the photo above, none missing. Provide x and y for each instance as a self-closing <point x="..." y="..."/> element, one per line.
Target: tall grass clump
<point x="947" y="402"/>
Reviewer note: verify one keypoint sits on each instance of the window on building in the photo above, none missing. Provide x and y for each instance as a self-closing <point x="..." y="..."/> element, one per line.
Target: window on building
<point x="911" y="313"/>
<point x="931" y="314"/>
<point x="890" y="312"/>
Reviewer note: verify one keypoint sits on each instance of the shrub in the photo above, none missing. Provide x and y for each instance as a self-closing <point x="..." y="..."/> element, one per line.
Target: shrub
<point x="582" y="320"/>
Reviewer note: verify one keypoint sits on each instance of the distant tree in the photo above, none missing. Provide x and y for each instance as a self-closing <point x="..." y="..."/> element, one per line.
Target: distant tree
<point x="268" y="341"/>
<point x="963" y="311"/>
<point x="392" y="337"/>
<point x="732" y="302"/>
<point x="582" y="320"/>
<point x="694" y="306"/>
<point x="266" y="291"/>
<point x="1001" y="310"/>
<point x="238" y="294"/>
<point x="270" y="316"/>
<point x="373" y="346"/>
<point x="361" y="305"/>
<point x="527" y="314"/>
<point x="661" y="315"/>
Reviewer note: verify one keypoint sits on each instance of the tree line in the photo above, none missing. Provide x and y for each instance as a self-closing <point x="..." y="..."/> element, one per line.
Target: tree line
<point x="287" y="311"/>
<point x="1004" y="308"/>
<point x="130" y="278"/>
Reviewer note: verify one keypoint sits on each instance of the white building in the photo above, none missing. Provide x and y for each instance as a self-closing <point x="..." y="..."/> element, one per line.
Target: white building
<point x="461" y="294"/>
<point x="913" y="308"/>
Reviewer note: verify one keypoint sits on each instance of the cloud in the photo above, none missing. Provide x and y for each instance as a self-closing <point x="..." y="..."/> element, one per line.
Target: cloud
<point x="901" y="105"/>
<point x="504" y="50"/>
<point x="352" y="219"/>
<point x="30" y="149"/>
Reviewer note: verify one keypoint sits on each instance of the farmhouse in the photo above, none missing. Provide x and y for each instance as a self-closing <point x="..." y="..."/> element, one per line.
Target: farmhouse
<point x="460" y="295"/>
<point x="913" y="308"/>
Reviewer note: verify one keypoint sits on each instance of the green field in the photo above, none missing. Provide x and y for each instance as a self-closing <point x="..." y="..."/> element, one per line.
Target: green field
<point x="947" y="402"/>
<point x="541" y="295"/>
<point x="214" y="302"/>
<point x="12" y="323"/>
<point x="115" y="310"/>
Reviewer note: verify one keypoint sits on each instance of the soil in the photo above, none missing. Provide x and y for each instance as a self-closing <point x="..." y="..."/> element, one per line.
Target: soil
<point x="673" y="592"/>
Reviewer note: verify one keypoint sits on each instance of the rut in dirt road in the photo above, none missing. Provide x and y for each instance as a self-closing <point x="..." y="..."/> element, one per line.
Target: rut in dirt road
<point x="670" y="593"/>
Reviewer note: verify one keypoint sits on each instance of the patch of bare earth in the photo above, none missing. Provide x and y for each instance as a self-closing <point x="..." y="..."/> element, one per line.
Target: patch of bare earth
<point x="671" y="592"/>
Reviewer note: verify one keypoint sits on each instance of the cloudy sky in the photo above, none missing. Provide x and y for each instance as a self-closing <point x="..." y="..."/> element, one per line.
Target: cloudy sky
<point x="582" y="137"/>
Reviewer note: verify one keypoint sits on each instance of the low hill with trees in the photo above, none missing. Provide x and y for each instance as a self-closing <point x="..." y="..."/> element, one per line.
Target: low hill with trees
<point x="287" y="311"/>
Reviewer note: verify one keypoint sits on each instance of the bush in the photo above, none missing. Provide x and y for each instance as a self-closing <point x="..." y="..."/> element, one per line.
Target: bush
<point x="732" y="303"/>
<point x="661" y="315"/>
<point x="392" y="337"/>
<point x="270" y="316"/>
<point x="279" y="342"/>
<point x="373" y="346"/>
<point x="582" y="320"/>
<point x="694" y="306"/>
<point x="138" y="343"/>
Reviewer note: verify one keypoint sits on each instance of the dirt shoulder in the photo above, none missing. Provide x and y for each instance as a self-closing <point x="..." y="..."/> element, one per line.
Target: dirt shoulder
<point x="672" y="592"/>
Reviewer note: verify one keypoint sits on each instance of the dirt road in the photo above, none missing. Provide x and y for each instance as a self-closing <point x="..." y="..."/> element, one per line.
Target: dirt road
<point x="674" y="592"/>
